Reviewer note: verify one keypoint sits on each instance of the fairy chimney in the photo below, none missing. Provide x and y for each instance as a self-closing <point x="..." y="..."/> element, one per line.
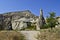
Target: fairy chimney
<point x="40" y="20"/>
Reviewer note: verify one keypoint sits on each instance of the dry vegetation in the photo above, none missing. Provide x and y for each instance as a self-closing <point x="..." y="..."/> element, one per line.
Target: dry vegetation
<point x="11" y="35"/>
<point x="48" y="34"/>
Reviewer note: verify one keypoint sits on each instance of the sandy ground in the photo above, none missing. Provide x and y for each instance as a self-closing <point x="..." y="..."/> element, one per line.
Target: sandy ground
<point x="30" y="35"/>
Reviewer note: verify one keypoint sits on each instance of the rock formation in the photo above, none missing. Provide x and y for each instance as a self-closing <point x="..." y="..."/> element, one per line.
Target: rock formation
<point x="7" y="18"/>
<point x="40" y="20"/>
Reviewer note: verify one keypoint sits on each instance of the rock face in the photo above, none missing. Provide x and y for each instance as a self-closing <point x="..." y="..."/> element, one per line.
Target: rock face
<point x="21" y="23"/>
<point x="6" y="19"/>
<point x="58" y="18"/>
<point x="40" y="20"/>
<point x="20" y="14"/>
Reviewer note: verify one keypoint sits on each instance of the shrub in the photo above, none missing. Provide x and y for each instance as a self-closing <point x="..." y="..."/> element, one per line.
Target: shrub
<point x="51" y="20"/>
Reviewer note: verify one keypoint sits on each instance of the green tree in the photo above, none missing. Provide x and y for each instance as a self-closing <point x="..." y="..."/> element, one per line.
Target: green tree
<point x="51" y="20"/>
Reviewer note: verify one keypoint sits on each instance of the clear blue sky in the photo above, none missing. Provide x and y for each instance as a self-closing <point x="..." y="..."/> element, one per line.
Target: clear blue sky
<point x="33" y="5"/>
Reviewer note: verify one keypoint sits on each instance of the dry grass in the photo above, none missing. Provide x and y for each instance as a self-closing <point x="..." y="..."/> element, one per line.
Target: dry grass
<point x="11" y="35"/>
<point x="48" y="34"/>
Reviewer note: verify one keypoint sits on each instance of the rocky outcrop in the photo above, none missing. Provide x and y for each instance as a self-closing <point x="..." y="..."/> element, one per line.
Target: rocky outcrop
<point x="20" y="14"/>
<point x="40" y="20"/>
<point x="58" y="22"/>
<point x="22" y="23"/>
<point x="6" y="19"/>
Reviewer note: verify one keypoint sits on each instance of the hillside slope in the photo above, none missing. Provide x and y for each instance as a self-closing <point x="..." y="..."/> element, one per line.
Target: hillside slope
<point x="6" y="18"/>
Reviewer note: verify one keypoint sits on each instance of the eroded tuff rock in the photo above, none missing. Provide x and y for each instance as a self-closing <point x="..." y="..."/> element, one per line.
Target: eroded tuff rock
<point x="7" y="18"/>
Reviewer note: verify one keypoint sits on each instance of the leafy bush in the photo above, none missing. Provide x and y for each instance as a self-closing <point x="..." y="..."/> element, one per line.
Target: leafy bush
<point x="31" y="28"/>
<point x="51" y="20"/>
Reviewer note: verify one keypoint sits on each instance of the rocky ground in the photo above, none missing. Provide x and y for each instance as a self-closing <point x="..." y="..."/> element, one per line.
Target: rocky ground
<point x="43" y="34"/>
<point x="30" y="35"/>
<point x="49" y="34"/>
<point x="17" y="35"/>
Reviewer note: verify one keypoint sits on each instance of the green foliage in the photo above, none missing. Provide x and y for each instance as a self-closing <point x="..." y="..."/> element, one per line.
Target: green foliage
<point x="51" y="20"/>
<point x="31" y="28"/>
<point x="45" y="26"/>
<point x="1" y="27"/>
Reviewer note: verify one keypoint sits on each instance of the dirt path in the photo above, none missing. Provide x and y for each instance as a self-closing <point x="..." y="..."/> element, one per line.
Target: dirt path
<point x="30" y="35"/>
